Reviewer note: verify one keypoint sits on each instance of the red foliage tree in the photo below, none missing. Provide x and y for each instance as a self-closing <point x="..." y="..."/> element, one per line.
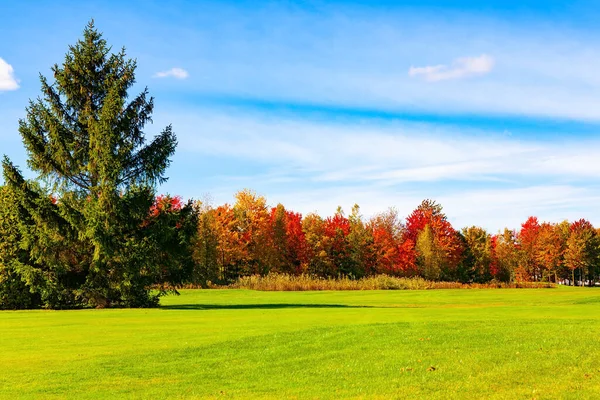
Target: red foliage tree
<point x="394" y="252"/>
<point x="336" y="231"/>
<point x="528" y="238"/>
<point x="445" y="239"/>
<point x="288" y="241"/>
<point x="296" y="241"/>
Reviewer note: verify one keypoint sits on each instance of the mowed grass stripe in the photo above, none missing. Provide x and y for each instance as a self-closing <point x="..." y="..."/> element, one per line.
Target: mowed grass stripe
<point x="524" y="343"/>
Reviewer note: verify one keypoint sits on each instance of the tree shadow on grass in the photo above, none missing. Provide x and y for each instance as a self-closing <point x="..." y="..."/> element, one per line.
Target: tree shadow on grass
<point x="253" y="306"/>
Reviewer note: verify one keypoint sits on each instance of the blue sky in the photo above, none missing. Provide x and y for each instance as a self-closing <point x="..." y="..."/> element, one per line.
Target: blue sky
<point x="493" y="111"/>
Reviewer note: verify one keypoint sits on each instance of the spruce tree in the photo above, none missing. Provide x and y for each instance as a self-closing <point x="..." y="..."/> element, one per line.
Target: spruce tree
<point x="83" y="219"/>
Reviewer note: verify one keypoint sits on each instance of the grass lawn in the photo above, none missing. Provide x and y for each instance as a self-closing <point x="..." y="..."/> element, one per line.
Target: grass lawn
<point x="492" y="343"/>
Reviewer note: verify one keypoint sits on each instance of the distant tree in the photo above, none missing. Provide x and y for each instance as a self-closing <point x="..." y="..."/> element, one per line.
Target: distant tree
<point x="360" y="241"/>
<point x="394" y="253"/>
<point x="505" y="256"/>
<point x="441" y="241"/>
<point x="288" y="241"/>
<point x="83" y="138"/>
<point x="313" y="227"/>
<point x="279" y="241"/>
<point x="252" y="216"/>
<point x="477" y="257"/>
<point x="582" y="251"/>
<point x="232" y="248"/>
<point x="430" y="256"/>
<point x="549" y="250"/>
<point x="297" y="246"/>
<point x="205" y="253"/>
<point x="528" y="242"/>
<point x="338" y="259"/>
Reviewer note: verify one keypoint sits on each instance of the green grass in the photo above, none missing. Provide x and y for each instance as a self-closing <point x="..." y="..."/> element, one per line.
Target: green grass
<point x="503" y="343"/>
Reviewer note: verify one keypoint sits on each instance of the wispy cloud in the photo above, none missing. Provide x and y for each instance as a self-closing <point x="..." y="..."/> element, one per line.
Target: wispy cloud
<point x="177" y="73"/>
<point x="7" y="77"/>
<point x="393" y="152"/>
<point x="460" y="68"/>
<point x="486" y="179"/>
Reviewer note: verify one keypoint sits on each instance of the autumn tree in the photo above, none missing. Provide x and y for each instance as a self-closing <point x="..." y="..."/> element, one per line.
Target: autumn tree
<point x="437" y="244"/>
<point x="252" y="216"/>
<point x="297" y="246"/>
<point x="232" y="248"/>
<point x="87" y="142"/>
<point x="279" y="240"/>
<point x="394" y="253"/>
<point x="582" y="251"/>
<point x="338" y="259"/>
<point x="206" y="246"/>
<point x="313" y="227"/>
<point x="505" y="256"/>
<point x="550" y="249"/>
<point x="360" y="242"/>
<point x="528" y="238"/>
<point x="288" y="241"/>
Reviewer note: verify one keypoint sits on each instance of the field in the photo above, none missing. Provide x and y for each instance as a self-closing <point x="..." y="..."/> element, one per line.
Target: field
<point x="480" y="343"/>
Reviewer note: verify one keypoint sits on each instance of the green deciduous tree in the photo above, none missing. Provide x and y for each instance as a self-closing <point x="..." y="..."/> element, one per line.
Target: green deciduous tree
<point x="206" y="254"/>
<point x="360" y="240"/>
<point x="477" y="257"/>
<point x="430" y="256"/>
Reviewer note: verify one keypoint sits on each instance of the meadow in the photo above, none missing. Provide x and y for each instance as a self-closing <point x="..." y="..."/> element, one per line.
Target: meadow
<point x="434" y="344"/>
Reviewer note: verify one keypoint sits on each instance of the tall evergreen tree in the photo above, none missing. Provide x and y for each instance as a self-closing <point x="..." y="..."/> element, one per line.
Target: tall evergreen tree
<point x="85" y="140"/>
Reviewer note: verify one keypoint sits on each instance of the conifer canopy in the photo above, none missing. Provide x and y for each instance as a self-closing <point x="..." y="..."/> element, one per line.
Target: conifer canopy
<point x="85" y="220"/>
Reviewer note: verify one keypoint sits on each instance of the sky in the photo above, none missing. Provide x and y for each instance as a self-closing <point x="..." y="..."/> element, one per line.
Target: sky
<point x="491" y="110"/>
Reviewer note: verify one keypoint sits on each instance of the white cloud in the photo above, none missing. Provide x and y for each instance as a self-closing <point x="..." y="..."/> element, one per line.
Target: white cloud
<point x="487" y="179"/>
<point x="7" y="77"/>
<point x="387" y="153"/>
<point x="177" y="73"/>
<point x="460" y="68"/>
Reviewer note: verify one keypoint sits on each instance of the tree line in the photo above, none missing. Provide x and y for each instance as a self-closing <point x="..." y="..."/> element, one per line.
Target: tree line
<point x="90" y="231"/>
<point x="250" y="238"/>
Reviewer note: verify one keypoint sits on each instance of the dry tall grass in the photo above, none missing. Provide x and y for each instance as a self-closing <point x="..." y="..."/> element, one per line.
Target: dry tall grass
<point x="284" y="282"/>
